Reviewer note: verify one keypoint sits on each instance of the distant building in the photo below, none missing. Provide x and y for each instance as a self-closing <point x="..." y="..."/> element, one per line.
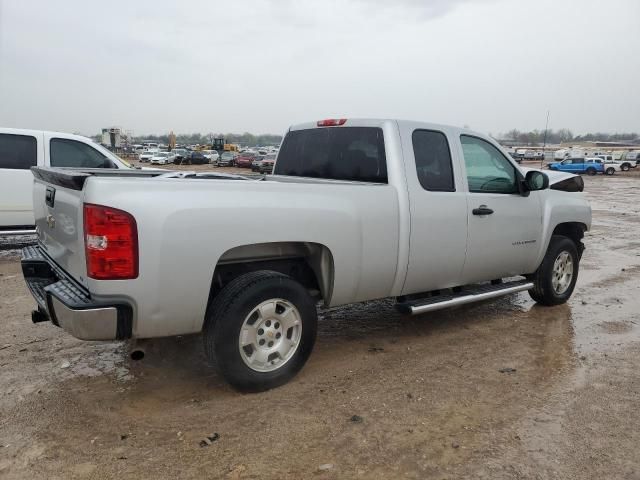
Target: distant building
<point x="112" y="137"/>
<point x="621" y="143"/>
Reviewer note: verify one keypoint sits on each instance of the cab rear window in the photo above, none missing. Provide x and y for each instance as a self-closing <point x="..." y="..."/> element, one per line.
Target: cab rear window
<point x="338" y="153"/>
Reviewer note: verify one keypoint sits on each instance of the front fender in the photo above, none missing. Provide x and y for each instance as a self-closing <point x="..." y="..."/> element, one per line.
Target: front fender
<point x="560" y="207"/>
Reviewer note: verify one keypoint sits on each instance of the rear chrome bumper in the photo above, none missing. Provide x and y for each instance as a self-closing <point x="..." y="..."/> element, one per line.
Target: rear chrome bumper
<point x="21" y="231"/>
<point x="69" y="305"/>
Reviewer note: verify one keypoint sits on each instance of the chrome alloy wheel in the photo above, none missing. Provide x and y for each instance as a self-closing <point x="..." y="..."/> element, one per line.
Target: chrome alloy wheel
<point x="562" y="272"/>
<point x="270" y="335"/>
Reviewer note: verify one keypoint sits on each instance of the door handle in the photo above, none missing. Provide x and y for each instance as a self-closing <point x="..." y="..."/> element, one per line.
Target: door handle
<point x="482" y="210"/>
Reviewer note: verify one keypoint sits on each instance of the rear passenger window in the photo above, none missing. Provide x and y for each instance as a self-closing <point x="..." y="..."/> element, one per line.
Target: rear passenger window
<point x="339" y="153"/>
<point x="433" y="161"/>
<point x="18" y="152"/>
<point x="71" y="153"/>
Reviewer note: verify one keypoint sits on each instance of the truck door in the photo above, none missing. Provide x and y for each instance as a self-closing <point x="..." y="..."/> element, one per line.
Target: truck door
<point x="505" y="227"/>
<point x="438" y="208"/>
<point x="570" y="165"/>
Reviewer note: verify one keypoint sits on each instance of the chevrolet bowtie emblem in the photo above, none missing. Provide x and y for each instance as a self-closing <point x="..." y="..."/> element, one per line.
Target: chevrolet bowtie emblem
<point x="51" y="221"/>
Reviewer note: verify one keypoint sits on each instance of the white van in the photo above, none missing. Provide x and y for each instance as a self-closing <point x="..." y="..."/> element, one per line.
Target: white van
<point x="561" y="154"/>
<point x="22" y="149"/>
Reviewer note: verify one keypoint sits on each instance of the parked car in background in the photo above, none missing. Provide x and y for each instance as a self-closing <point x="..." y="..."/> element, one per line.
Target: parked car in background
<point x="227" y="159"/>
<point x="146" y="155"/>
<point x="590" y="166"/>
<point x="624" y="165"/>
<point x="22" y="149"/>
<point x="162" y="158"/>
<point x="633" y="156"/>
<point x="245" y="159"/>
<point x="255" y="165"/>
<point x="180" y="154"/>
<point x="267" y="163"/>
<point x="528" y="154"/>
<point x="515" y="156"/>
<point x="608" y="168"/>
<point x="577" y="165"/>
<point x="431" y="215"/>
<point x="211" y="155"/>
<point x="197" y="158"/>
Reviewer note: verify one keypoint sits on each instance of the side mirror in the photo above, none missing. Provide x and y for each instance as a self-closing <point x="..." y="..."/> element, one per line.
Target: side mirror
<point x="535" y="180"/>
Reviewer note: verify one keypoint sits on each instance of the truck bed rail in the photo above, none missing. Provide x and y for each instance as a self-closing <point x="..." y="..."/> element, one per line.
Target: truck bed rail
<point x="74" y="178"/>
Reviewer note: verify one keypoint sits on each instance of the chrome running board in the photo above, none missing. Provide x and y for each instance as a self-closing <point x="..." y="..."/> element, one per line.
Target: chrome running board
<point x="469" y="294"/>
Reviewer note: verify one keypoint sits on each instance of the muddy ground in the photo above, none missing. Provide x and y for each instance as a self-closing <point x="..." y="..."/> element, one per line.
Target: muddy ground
<point x="428" y="393"/>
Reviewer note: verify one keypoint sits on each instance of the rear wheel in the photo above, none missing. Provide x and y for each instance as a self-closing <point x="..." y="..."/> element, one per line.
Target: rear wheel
<point x="610" y="171"/>
<point x="260" y="330"/>
<point x="556" y="277"/>
<point x="591" y="171"/>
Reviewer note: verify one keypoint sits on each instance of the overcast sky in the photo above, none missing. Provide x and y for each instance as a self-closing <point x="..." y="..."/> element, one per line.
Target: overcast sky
<point x="261" y="65"/>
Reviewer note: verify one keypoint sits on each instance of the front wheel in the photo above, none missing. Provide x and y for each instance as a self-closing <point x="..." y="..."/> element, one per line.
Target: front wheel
<point x="260" y="330"/>
<point x="625" y="167"/>
<point x="591" y="171"/>
<point x="610" y="171"/>
<point x="556" y="277"/>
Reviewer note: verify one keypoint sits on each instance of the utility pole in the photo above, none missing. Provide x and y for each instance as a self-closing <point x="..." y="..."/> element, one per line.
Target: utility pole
<point x="544" y="145"/>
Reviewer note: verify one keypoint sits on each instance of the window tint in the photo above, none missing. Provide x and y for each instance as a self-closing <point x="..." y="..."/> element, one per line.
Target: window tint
<point x="433" y="161"/>
<point x="340" y="153"/>
<point x="71" y="153"/>
<point x="488" y="171"/>
<point x="18" y="151"/>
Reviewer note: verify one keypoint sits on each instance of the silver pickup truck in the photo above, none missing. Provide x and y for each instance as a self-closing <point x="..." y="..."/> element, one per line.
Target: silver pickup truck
<point x="356" y="210"/>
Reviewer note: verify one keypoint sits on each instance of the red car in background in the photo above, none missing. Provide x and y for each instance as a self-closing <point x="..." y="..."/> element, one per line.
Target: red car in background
<point x="245" y="159"/>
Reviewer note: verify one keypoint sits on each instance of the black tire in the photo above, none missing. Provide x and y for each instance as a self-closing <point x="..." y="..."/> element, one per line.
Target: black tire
<point x="625" y="167"/>
<point x="227" y="313"/>
<point x="610" y="171"/>
<point x="543" y="291"/>
<point x="591" y="171"/>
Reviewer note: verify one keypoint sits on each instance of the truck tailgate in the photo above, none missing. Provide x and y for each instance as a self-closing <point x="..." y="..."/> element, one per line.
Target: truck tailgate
<point x="58" y="210"/>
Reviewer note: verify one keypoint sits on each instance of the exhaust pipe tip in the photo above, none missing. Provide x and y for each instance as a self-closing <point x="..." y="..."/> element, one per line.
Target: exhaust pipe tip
<point x="38" y="316"/>
<point x="137" y="355"/>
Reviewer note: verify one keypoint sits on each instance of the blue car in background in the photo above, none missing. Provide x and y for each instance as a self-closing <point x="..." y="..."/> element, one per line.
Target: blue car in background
<point x="590" y="166"/>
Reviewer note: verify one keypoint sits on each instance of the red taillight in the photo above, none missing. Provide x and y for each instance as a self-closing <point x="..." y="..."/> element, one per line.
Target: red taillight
<point x="332" y="122"/>
<point x="110" y="242"/>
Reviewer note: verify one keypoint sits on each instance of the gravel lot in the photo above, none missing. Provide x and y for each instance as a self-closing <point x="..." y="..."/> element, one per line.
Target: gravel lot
<point x="383" y="395"/>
